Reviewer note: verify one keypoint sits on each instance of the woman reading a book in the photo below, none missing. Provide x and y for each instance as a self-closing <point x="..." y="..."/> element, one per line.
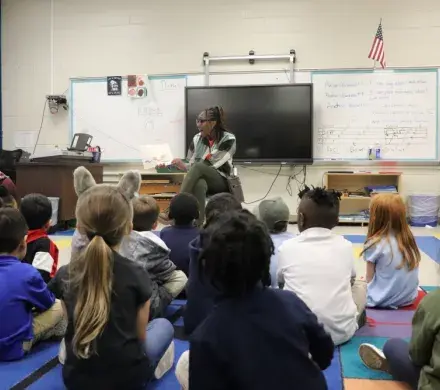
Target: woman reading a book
<point x="209" y="160"/>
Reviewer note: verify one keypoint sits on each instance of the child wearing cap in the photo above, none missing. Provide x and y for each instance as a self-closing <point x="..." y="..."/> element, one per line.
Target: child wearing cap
<point x="275" y="214"/>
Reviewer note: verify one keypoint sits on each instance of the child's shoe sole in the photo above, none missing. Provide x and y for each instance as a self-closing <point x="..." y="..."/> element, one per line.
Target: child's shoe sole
<point x="166" y="363"/>
<point x="373" y="358"/>
<point x="62" y="352"/>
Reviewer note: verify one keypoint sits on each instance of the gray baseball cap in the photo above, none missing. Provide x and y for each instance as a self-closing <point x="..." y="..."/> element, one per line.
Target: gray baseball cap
<point x="272" y="211"/>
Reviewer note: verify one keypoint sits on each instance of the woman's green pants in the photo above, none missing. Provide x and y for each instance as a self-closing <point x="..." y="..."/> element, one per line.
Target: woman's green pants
<point x="201" y="180"/>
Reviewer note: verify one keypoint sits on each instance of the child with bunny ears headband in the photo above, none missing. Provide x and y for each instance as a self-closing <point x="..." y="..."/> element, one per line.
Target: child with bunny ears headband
<point x="107" y="296"/>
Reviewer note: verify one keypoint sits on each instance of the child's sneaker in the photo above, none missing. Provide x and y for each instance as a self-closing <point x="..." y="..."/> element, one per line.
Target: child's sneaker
<point x="62" y="352"/>
<point x="165" y="363"/>
<point x="373" y="358"/>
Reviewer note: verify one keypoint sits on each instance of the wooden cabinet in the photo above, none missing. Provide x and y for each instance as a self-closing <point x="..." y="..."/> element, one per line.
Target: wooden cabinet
<point x="355" y="199"/>
<point x="162" y="186"/>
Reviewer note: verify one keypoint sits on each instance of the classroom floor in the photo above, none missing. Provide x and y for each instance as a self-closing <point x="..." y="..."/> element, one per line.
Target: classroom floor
<point x="346" y="372"/>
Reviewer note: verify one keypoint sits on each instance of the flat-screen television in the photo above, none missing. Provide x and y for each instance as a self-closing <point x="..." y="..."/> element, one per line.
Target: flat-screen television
<point x="271" y="123"/>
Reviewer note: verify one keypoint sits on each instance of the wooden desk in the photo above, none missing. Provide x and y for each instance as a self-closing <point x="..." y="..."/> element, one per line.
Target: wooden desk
<point x="161" y="186"/>
<point x="54" y="179"/>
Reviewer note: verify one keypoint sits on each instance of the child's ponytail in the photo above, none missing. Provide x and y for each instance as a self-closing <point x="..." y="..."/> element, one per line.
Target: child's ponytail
<point x="94" y="286"/>
<point x="104" y="215"/>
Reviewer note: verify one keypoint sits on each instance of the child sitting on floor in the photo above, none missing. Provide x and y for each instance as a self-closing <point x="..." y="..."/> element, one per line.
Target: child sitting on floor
<point x="391" y="254"/>
<point x="416" y="363"/>
<point x="110" y="342"/>
<point x="28" y="310"/>
<point x="149" y="251"/>
<point x="146" y="248"/>
<point x="256" y="337"/>
<point x="201" y="294"/>
<point x="184" y="211"/>
<point x="275" y="214"/>
<point x="42" y="252"/>
<point x="318" y="266"/>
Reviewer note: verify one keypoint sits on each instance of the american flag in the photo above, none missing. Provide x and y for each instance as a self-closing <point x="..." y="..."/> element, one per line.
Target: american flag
<point x="377" y="52"/>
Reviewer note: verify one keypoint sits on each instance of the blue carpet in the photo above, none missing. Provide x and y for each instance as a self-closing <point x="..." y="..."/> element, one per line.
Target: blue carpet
<point x="333" y="373"/>
<point x="53" y="379"/>
<point x="12" y="373"/>
<point x="171" y="310"/>
<point x="179" y="322"/>
<point x="430" y="245"/>
<point x="355" y="239"/>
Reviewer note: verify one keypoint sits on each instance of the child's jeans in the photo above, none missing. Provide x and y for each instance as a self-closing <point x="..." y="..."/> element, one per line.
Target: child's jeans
<point x="401" y="367"/>
<point x="160" y="334"/>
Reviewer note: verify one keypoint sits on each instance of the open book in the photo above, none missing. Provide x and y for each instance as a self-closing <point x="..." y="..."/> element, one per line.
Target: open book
<point x="157" y="154"/>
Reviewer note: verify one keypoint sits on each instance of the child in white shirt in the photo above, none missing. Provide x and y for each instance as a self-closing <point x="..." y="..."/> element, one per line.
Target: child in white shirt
<point x="318" y="266"/>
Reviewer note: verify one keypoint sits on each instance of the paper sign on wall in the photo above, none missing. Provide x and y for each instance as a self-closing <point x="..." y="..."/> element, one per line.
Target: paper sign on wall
<point x="137" y="86"/>
<point x="25" y="139"/>
<point x="114" y="85"/>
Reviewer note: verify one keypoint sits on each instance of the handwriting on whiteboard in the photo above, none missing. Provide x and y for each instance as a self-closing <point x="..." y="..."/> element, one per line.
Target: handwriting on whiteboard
<point x="357" y="111"/>
<point x="391" y="138"/>
<point x="169" y="85"/>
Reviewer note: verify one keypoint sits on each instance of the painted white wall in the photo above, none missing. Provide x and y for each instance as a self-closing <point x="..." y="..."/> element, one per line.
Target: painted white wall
<point x="108" y="37"/>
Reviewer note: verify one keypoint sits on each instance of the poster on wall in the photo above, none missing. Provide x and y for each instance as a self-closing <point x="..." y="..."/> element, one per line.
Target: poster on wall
<point x="137" y="86"/>
<point x="114" y="85"/>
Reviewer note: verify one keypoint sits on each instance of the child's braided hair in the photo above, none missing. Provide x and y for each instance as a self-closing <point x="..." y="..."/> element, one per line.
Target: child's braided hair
<point x="321" y="196"/>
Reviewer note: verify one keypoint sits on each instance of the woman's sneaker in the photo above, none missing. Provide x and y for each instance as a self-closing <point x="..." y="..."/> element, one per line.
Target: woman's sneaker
<point x="166" y="363"/>
<point x="373" y="358"/>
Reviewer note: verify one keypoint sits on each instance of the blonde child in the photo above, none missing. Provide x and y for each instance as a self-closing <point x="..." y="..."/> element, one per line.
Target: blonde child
<point x="391" y="254"/>
<point x="107" y="297"/>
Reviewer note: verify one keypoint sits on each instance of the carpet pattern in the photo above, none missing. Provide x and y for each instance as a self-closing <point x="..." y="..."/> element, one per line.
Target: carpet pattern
<point x="346" y="371"/>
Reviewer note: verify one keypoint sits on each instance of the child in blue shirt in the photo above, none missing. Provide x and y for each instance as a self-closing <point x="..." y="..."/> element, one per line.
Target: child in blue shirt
<point x="391" y="254"/>
<point x="275" y="214"/>
<point x="28" y="309"/>
<point x="255" y="338"/>
<point x="184" y="211"/>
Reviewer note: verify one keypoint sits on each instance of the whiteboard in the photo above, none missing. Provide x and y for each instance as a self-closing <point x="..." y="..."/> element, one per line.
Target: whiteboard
<point x="395" y="109"/>
<point x="120" y="124"/>
<point x="352" y="110"/>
